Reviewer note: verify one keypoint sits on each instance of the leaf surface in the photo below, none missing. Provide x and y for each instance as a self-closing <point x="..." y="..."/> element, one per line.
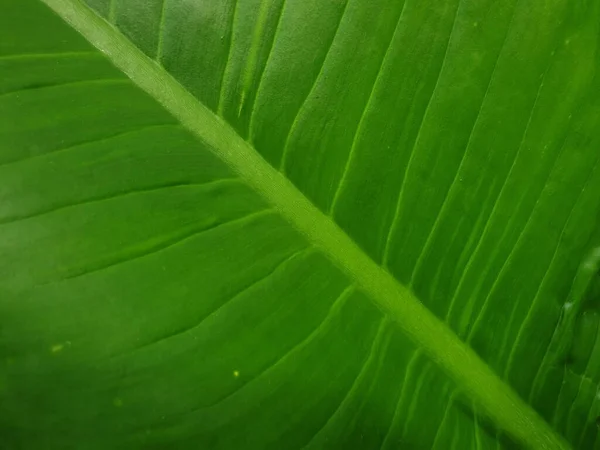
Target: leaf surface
<point x="317" y="224"/>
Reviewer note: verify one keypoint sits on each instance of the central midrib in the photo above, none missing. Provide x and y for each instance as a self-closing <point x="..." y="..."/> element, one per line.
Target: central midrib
<point x="498" y="399"/>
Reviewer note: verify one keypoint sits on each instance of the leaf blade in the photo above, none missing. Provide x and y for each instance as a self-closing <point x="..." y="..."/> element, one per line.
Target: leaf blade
<point x="414" y="319"/>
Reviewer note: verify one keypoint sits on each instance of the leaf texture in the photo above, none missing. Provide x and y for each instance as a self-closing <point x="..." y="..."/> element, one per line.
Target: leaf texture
<point x="325" y="224"/>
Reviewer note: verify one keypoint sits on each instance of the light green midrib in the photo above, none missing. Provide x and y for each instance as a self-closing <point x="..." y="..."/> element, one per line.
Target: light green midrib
<point x="473" y="375"/>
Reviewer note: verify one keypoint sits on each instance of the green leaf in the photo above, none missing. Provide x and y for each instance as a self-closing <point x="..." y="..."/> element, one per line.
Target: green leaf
<point x="299" y="224"/>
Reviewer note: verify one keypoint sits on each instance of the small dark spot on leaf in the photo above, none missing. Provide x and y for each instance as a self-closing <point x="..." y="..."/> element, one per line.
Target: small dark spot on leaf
<point x="568" y="359"/>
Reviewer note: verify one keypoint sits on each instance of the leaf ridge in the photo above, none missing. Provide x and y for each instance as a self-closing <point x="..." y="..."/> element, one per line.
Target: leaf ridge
<point x="412" y="151"/>
<point x="49" y="55"/>
<point x="83" y="143"/>
<point x="581" y="382"/>
<point x="464" y="157"/>
<point x="112" y="6"/>
<point x="358" y="130"/>
<point x="334" y="309"/>
<point x="112" y="196"/>
<point x="161" y="29"/>
<point x="545" y="276"/>
<point x="444" y="419"/>
<point x="278" y="267"/>
<point x="171" y="241"/>
<point x="511" y="254"/>
<point x="409" y="368"/>
<point x="376" y="345"/>
<point x="99" y="81"/>
<point x="224" y="74"/>
<point x="312" y="88"/>
<point x="250" y="66"/>
<point x="495" y="204"/>
<point x="262" y="74"/>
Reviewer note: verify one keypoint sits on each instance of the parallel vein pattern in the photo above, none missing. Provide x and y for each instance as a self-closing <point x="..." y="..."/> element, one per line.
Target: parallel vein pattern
<point x="454" y="142"/>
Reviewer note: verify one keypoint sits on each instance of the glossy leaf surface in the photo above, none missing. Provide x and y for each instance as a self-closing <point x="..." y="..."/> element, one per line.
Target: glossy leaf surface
<point x="299" y="224"/>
